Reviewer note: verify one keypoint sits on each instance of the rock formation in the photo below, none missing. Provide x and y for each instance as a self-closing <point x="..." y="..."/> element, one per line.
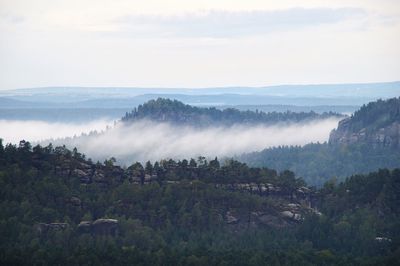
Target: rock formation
<point x="376" y="124"/>
<point x="99" y="227"/>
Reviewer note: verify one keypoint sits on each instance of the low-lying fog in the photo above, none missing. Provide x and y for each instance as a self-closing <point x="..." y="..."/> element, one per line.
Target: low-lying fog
<point x="142" y="141"/>
<point x="33" y="130"/>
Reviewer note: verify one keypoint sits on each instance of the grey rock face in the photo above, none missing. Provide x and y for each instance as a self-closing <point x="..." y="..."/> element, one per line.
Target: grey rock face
<point x="99" y="227"/>
<point x="388" y="136"/>
<point x="230" y="218"/>
<point x="292" y="215"/>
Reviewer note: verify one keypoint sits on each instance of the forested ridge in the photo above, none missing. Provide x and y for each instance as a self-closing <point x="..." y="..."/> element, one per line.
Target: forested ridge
<point x="376" y="124"/>
<point x="176" y="112"/>
<point x="375" y="115"/>
<point x="364" y="142"/>
<point x="59" y="208"/>
<point x="319" y="162"/>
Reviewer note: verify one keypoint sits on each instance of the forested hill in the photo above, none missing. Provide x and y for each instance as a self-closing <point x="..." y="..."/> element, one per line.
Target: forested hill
<point x="364" y="142"/>
<point x="173" y="111"/>
<point x="319" y="162"/>
<point x="58" y="208"/>
<point x="377" y="124"/>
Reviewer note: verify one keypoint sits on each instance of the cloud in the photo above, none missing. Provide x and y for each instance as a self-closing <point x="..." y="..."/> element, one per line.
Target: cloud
<point x="142" y="141"/>
<point x="13" y="19"/>
<point x="219" y="23"/>
<point x="15" y="130"/>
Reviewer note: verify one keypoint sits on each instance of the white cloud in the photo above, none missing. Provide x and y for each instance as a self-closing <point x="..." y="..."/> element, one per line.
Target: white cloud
<point x="144" y="141"/>
<point x="15" y="130"/>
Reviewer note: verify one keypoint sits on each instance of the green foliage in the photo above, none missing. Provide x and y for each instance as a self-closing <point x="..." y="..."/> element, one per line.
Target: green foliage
<point x="317" y="163"/>
<point x="376" y="115"/>
<point x="176" y="112"/>
<point x="183" y="223"/>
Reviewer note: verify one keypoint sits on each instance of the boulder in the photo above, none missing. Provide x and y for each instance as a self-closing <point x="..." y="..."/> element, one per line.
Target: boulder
<point x="291" y="216"/>
<point x="85" y="227"/>
<point x="230" y="219"/>
<point x="105" y="227"/>
<point x="99" y="227"/>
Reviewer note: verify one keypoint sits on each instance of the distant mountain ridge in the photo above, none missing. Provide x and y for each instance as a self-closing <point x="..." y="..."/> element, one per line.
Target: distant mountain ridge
<point x="176" y="112"/>
<point x="116" y="97"/>
<point x="377" y="89"/>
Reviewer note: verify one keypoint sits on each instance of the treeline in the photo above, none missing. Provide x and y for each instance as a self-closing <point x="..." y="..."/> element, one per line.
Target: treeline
<point x="319" y="162"/>
<point x="376" y="115"/>
<point x="186" y="222"/>
<point x="173" y="111"/>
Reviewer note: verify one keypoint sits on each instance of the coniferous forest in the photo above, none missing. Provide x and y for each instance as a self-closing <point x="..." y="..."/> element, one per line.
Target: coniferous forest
<point x="59" y="208"/>
<point x="200" y="133"/>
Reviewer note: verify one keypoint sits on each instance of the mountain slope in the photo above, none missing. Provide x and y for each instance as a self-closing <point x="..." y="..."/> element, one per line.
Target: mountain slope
<point x="376" y="124"/>
<point x="365" y="142"/>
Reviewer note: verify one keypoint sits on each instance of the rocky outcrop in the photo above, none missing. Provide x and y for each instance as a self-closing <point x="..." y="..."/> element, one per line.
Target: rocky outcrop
<point x="44" y="228"/>
<point x="230" y="218"/>
<point x="292" y="216"/>
<point x="388" y="136"/>
<point x="303" y="195"/>
<point x="85" y="227"/>
<point x="99" y="227"/>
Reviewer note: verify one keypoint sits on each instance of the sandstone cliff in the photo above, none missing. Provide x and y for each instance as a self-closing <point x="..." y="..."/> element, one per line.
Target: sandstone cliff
<point x="375" y="124"/>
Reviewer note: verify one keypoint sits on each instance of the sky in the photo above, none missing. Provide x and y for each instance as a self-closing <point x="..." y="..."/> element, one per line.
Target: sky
<point x="186" y="43"/>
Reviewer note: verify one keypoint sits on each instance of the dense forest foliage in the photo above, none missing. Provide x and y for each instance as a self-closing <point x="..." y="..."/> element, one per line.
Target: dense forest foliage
<point x="176" y="112"/>
<point x="317" y="163"/>
<point x="376" y="115"/>
<point x="58" y="208"/>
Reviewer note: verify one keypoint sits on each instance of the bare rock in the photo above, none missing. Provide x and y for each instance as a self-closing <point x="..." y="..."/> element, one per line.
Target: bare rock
<point x="291" y="216"/>
<point x="230" y="219"/>
<point x="99" y="176"/>
<point x="85" y="227"/>
<point x="105" y="226"/>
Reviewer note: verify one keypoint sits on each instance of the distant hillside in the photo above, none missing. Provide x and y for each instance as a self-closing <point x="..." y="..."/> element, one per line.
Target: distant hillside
<point x="365" y="142"/>
<point x="377" y="124"/>
<point x="173" y="111"/>
<point x="319" y="162"/>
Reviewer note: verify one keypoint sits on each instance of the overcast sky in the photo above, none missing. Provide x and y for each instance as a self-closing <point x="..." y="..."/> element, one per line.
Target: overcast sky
<point x="155" y="43"/>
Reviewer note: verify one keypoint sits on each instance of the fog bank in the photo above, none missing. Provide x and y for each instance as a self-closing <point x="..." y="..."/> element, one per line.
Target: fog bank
<point x="34" y="131"/>
<point x="144" y="141"/>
